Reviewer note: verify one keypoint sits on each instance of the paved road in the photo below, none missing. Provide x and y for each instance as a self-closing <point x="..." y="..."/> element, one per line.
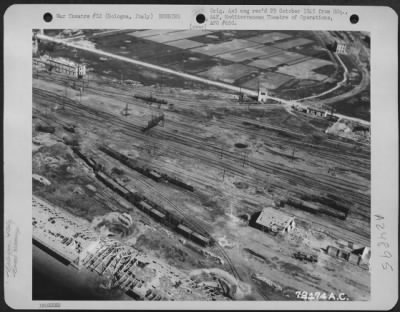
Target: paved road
<point x="181" y="74"/>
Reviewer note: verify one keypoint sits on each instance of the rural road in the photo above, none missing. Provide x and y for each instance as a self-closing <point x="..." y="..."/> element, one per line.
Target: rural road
<point x="248" y="92"/>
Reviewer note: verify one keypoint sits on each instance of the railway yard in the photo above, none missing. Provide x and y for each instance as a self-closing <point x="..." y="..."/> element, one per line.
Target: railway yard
<point x="180" y="173"/>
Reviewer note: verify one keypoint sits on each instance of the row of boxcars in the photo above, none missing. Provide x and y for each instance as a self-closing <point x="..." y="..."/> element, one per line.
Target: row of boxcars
<point x="150" y="99"/>
<point x="150" y="173"/>
<point x="337" y="211"/>
<point x="149" y="207"/>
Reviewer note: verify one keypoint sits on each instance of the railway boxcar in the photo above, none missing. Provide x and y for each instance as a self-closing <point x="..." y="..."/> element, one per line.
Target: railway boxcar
<point x="156" y="176"/>
<point x="354" y="259"/>
<point x="145" y="207"/>
<point x="157" y="214"/>
<point x="101" y="176"/>
<point x="180" y="184"/>
<point x="120" y="189"/>
<point x="120" y="182"/>
<point x="200" y="239"/>
<point x="130" y="188"/>
<point x="332" y="118"/>
<point x="134" y="197"/>
<point x="92" y="163"/>
<point x="184" y="230"/>
<point x="124" y="204"/>
<point x="112" y="184"/>
<point x="332" y="251"/>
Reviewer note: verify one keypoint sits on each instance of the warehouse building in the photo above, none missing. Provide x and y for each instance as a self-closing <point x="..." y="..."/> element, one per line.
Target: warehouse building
<point x="275" y="221"/>
<point x="67" y="67"/>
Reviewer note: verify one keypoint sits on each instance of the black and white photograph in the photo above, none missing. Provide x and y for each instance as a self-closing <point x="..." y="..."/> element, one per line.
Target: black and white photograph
<point x="196" y="164"/>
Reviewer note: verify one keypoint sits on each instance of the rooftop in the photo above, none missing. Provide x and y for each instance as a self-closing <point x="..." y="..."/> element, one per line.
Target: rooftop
<point x="270" y="216"/>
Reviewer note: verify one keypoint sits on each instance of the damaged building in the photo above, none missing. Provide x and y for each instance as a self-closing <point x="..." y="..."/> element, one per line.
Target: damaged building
<point x="275" y="221"/>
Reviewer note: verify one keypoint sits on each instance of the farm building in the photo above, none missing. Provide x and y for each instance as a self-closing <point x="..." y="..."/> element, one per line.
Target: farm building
<point x="273" y="220"/>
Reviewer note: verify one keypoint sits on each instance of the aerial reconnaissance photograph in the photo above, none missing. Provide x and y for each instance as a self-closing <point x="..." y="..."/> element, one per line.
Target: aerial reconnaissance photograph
<point x="200" y="165"/>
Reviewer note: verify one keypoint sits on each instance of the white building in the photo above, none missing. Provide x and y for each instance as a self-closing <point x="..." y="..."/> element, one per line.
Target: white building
<point x="262" y="95"/>
<point x="275" y="220"/>
<point x="35" y="46"/>
<point x="341" y="47"/>
<point x="61" y="65"/>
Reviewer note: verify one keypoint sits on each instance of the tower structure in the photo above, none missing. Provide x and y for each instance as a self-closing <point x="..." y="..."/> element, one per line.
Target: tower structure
<point x="262" y="94"/>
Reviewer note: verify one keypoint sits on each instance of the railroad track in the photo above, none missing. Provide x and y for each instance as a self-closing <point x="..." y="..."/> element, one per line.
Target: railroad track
<point x="200" y="148"/>
<point x="235" y="122"/>
<point x="195" y="225"/>
<point x="195" y="149"/>
<point x="352" y="160"/>
<point x="113" y="95"/>
<point x="161" y="195"/>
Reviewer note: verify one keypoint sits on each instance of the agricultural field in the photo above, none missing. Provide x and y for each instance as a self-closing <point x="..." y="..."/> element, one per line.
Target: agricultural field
<point x="271" y="80"/>
<point x="301" y="55"/>
<point x="228" y="73"/>
<point x="274" y="61"/>
<point x="305" y="70"/>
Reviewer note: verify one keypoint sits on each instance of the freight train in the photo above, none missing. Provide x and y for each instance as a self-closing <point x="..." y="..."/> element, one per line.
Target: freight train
<point x="150" y="99"/>
<point x="149" y="207"/>
<point x="336" y="211"/>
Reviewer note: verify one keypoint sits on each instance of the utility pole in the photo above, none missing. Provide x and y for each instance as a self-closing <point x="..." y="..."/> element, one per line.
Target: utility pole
<point x="244" y="158"/>
<point x="125" y="110"/>
<point x="162" y="120"/>
<point x="293" y="153"/>
<point x="223" y="175"/>
<point x="66" y="95"/>
<point x="266" y="184"/>
<point x="241" y="97"/>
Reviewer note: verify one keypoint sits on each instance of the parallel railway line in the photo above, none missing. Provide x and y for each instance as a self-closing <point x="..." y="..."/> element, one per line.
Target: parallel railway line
<point x="199" y="145"/>
<point x="196" y="149"/>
